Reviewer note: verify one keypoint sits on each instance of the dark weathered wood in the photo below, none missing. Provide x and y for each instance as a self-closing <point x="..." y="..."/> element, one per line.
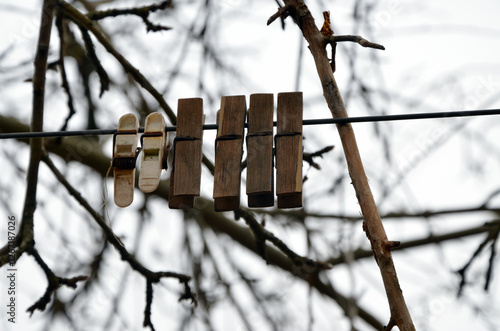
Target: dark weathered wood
<point x="185" y="177"/>
<point x="260" y="174"/>
<point x="289" y="150"/>
<point x="228" y="153"/>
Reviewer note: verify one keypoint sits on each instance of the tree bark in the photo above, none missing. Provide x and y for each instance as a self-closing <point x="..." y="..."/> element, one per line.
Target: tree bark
<point x="372" y="224"/>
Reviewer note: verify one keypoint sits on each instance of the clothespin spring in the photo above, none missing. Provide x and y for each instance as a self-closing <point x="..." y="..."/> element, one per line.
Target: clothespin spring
<point x="125" y="162"/>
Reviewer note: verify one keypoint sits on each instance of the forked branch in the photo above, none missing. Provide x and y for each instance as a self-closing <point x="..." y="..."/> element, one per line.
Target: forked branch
<point x="150" y="276"/>
<point x="142" y="12"/>
<point x="372" y="224"/>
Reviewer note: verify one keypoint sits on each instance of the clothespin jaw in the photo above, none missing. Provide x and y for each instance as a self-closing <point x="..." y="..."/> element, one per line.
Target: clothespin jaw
<point x="289" y="150"/>
<point x="260" y="168"/>
<point x="154" y="146"/>
<point x="124" y="158"/>
<point x="228" y="153"/>
<point x="185" y="178"/>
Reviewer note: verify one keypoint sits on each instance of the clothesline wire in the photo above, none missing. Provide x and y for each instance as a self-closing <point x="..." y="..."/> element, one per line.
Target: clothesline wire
<point x="320" y="121"/>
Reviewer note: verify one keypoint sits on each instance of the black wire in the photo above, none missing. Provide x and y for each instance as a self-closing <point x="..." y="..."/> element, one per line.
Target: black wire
<point x="320" y="121"/>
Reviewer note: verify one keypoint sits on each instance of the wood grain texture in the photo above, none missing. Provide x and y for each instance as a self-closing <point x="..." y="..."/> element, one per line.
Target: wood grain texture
<point x="228" y="153"/>
<point x="260" y="172"/>
<point x="289" y="150"/>
<point x="186" y="172"/>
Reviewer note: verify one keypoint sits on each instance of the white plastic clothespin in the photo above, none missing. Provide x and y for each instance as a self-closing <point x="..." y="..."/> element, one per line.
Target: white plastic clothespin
<point x="154" y="152"/>
<point x="124" y="157"/>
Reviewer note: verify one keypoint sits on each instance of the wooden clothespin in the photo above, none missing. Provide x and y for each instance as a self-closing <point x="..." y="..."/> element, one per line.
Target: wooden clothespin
<point x="185" y="177"/>
<point x="124" y="156"/>
<point x="289" y="150"/>
<point x="260" y="171"/>
<point x="154" y="148"/>
<point x="228" y="152"/>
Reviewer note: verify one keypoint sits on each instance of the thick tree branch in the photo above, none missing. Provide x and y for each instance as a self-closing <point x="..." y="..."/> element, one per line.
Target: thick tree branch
<point x="357" y="39"/>
<point x="373" y="226"/>
<point x="26" y="243"/>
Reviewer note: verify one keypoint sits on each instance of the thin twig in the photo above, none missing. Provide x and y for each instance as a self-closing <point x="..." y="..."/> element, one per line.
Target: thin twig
<point x="142" y="12"/>
<point x="54" y="282"/>
<point x="139" y="11"/>
<point x="151" y="277"/>
<point x="110" y="236"/>
<point x="89" y="46"/>
<point x="357" y="39"/>
<point x="491" y="238"/>
<point x="227" y="284"/>
<point x="36" y="145"/>
<point x="424" y="241"/>
<point x="83" y="21"/>
<point x="62" y="68"/>
<point x="147" y="311"/>
<point x="262" y="235"/>
<point x="423" y="214"/>
<point x="309" y="157"/>
<point x="282" y="13"/>
<point x="220" y="224"/>
<point x="255" y="291"/>
<point x="491" y="263"/>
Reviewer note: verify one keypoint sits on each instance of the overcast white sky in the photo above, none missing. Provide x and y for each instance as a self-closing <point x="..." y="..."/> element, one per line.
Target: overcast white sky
<point x="442" y="53"/>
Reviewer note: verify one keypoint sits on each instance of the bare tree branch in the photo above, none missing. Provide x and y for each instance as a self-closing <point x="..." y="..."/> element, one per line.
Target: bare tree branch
<point x="309" y="157"/>
<point x="54" y="282"/>
<point x="262" y="235"/>
<point x="422" y="214"/>
<point x="205" y="214"/>
<point x="491" y="239"/>
<point x="372" y="225"/>
<point x="84" y="22"/>
<point x="142" y="12"/>
<point x="36" y="146"/>
<point x="431" y="239"/>
<point x="151" y="277"/>
<point x="62" y="68"/>
<point x="89" y="46"/>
